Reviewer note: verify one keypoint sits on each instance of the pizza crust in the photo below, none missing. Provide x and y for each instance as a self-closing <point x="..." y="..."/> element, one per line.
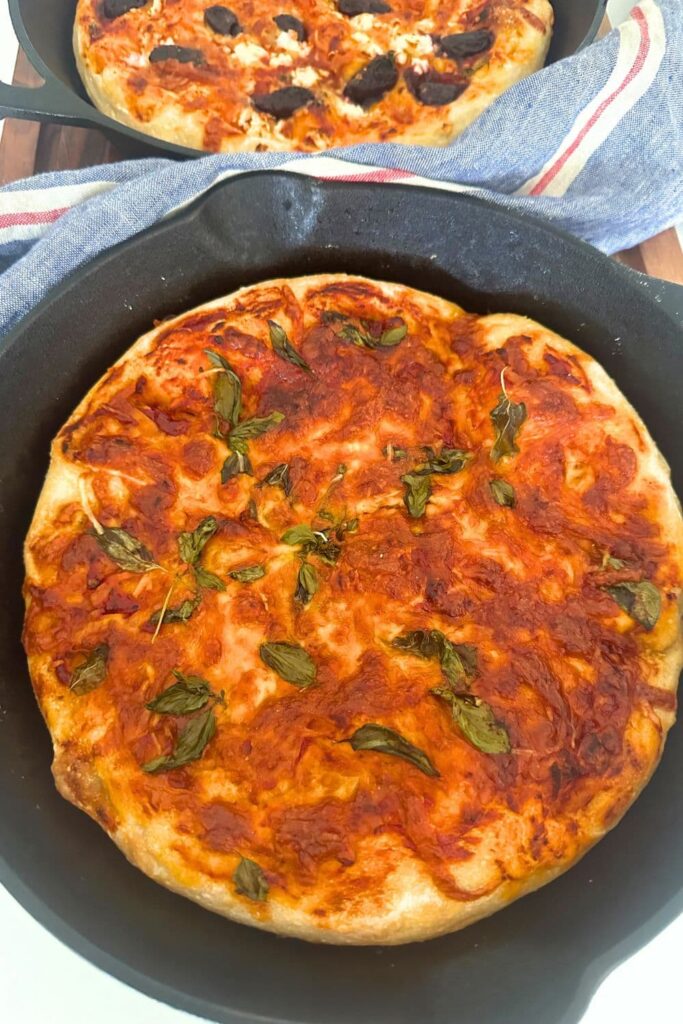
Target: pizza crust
<point x="408" y="906"/>
<point x="520" y="49"/>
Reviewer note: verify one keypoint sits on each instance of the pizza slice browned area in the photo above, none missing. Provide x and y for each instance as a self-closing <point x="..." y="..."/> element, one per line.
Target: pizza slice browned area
<point x="307" y="76"/>
<point x="352" y="615"/>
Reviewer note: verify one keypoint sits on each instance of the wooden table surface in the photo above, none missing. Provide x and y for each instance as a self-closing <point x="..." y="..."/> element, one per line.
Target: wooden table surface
<point x="28" y="148"/>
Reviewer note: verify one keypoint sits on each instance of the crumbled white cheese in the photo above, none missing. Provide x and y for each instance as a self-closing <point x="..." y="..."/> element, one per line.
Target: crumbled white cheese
<point x="281" y="60"/>
<point x="249" y="53"/>
<point x="425" y="25"/>
<point x="305" y="77"/>
<point x="366" y="44"/>
<point x="348" y="109"/>
<point x="288" y="41"/>
<point x="413" y="43"/>
<point x="421" y="65"/>
<point x="156" y="6"/>
<point x="363" y="22"/>
<point x="136" y="60"/>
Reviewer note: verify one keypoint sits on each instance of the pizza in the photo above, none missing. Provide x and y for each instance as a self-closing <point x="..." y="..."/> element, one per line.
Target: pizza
<point x="304" y="76"/>
<point x="352" y="615"/>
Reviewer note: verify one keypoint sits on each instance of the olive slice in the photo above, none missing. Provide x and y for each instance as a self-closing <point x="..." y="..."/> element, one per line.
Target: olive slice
<point x="222" y="20"/>
<point x="184" y="54"/>
<point x="460" y="45"/>
<point x="433" y="89"/>
<point x="283" y="102"/>
<point x="288" y="23"/>
<point x="372" y="82"/>
<point x="115" y="8"/>
<point x="353" y="7"/>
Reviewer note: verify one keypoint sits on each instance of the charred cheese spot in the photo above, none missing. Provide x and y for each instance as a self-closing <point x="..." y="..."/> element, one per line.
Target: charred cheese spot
<point x="585" y="693"/>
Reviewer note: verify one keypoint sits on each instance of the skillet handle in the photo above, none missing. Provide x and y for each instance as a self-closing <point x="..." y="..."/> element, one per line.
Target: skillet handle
<point x="48" y="102"/>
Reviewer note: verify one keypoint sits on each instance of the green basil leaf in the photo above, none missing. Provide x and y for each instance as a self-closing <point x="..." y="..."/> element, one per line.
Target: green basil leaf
<point x="331" y="316"/>
<point x="458" y="661"/>
<point x="190" y="744"/>
<point x="417" y="494"/>
<point x="125" y="549"/>
<point x="641" y="600"/>
<point x="306" y="583"/>
<point x="248" y="574"/>
<point x="234" y="465"/>
<point x="89" y="674"/>
<point x="476" y="721"/>
<point x="283" y="348"/>
<point x="324" y="548"/>
<point x="393" y="335"/>
<point x="279" y="477"/>
<point x="394" y="453"/>
<point x="503" y="493"/>
<point x="609" y="562"/>
<point x="301" y="534"/>
<point x="448" y="460"/>
<point x="189" y="694"/>
<point x="227" y="389"/>
<point x="250" y="881"/>
<point x="191" y="544"/>
<point x="291" y="662"/>
<point x="386" y="741"/>
<point x="207" y="580"/>
<point x="178" y="613"/>
<point x="507" y="418"/>
<point x="247" y="430"/>
<point x="356" y="337"/>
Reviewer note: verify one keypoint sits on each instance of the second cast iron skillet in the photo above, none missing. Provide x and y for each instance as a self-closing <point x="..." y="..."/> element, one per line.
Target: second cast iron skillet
<point x="44" y="29"/>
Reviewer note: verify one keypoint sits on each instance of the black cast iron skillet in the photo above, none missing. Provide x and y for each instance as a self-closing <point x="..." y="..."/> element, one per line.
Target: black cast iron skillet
<point x="537" y="962"/>
<point x="44" y="29"/>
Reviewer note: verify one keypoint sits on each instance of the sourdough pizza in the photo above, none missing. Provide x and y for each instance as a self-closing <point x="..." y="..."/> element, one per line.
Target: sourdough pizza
<point x="352" y="615"/>
<point x="274" y="75"/>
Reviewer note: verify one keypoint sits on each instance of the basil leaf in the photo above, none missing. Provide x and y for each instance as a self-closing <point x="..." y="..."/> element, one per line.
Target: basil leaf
<point x="418" y="491"/>
<point x="283" y="348"/>
<point x="235" y="464"/>
<point x="248" y="574"/>
<point x="476" y="721"/>
<point x="302" y="534"/>
<point x="227" y="390"/>
<point x="189" y="694"/>
<point x="250" y="881"/>
<point x="178" y="613"/>
<point x="190" y="744"/>
<point x="251" y="428"/>
<point x="386" y="741"/>
<point x="191" y="544"/>
<point x="207" y="580"/>
<point x="89" y="674"/>
<point x="306" y="583"/>
<point x="458" y="661"/>
<point x="393" y="335"/>
<point x="279" y="477"/>
<point x="394" y="453"/>
<point x="324" y="548"/>
<point x="609" y="562"/>
<point x="125" y="549"/>
<point x="448" y="460"/>
<point x="364" y="339"/>
<point x="641" y="600"/>
<point x="507" y="418"/>
<point x="291" y="662"/>
<point x="503" y="493"/>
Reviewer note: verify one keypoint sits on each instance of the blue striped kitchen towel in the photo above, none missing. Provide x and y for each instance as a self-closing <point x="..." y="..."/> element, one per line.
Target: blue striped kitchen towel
<point x="593" y="143"/>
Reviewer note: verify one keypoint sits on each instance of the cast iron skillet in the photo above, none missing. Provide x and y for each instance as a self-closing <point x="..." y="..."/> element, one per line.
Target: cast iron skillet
<point x="539" y="960"/>
<point x="44" y="29"/>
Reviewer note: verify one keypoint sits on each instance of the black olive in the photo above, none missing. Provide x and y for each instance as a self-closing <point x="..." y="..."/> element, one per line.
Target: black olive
<point x="465" y="44"/>
<point x="432" y="88"/>
<point x="115" y="8"/>
<point x="288" y="23"/>
<point x="354" y="7"/>
<point x="184" y="54"/>
<point x="282" y="102"/>
<point x="369" y="84"/>
<point x="222" y="20"/>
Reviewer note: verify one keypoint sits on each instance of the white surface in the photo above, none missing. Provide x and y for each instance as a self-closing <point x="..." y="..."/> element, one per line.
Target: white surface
<point x="43" y="982"/>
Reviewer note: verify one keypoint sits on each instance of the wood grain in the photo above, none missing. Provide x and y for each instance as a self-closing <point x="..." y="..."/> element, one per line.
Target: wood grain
<point x="29" y="148"/>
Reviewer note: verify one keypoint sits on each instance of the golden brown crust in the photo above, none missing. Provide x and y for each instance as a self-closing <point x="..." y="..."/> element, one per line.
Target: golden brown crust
<point x="208" y="103"/>
<point x="358" y="847"/>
